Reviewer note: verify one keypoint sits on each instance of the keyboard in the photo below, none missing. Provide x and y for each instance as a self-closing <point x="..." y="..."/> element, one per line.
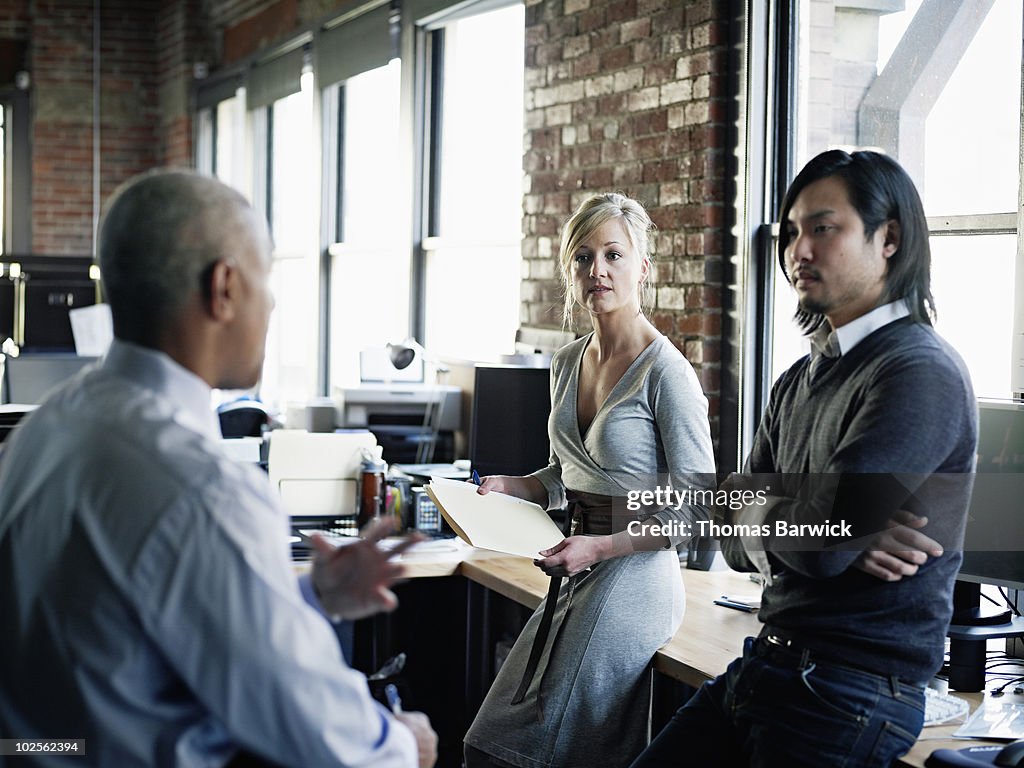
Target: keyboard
<point x="340" y="537"/>
<point x="940" y="708"/>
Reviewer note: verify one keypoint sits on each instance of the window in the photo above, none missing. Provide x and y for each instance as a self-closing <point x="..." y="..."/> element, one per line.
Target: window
<point x="291" y="368"/>
<point x="370" y="262"/>
<point x="472" y="254"/>
<point x="333" y="158"/>
<point x="937" y="85"/>
<point x="15" y="173"/>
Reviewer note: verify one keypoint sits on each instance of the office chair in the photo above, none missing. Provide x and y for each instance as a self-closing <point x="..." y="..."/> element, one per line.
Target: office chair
<point x="242" y="418"/>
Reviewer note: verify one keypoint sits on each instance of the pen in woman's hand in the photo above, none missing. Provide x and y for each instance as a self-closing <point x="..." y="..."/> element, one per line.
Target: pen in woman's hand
<point x="475" y="478"/>
<point x="394" y="700"/>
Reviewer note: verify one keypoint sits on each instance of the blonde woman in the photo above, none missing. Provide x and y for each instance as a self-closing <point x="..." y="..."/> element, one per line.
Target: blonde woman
<point x="627" y="415"/>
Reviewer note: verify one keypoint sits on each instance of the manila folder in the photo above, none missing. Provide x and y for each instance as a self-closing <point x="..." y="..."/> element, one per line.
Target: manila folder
<point x="494" y="520"/>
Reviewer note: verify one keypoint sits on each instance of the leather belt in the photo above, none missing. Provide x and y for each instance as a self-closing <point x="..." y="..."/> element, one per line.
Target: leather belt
<point x="781" y="641"/>
<point x="579" y="506"/>
<point x="544" y="628"/>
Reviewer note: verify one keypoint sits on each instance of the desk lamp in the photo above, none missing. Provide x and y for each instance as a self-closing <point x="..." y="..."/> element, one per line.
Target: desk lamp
<point x="401" y="356"/>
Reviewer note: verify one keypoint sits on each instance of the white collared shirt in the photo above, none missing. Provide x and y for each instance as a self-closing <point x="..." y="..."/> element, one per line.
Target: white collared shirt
<point x="854" y="332"/>
<point x="150" y="606"/>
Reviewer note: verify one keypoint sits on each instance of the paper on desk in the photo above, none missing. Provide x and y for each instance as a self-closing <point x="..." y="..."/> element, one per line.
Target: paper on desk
<point x="995" y="719"/>
<point x="494" y="520"/>
<point x="92" y="329"/>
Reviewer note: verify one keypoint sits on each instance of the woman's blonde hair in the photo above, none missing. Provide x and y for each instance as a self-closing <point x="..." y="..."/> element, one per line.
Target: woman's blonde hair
<point x="591" y="214"/>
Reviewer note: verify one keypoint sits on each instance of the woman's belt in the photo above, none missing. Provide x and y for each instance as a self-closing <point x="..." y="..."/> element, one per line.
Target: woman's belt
<point x="582" y="508"/>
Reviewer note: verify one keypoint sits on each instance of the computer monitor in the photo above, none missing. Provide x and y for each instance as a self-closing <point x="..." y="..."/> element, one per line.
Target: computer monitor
<point x="28" y="378"/>
<point x="993" y="543"/>
<point x="509" y="433"/>
<point x="994" y="539"/>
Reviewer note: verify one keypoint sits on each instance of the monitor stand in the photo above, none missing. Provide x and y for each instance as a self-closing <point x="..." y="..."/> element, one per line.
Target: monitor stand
<point x="969" y="611"/>
<point x="969" y="633"/>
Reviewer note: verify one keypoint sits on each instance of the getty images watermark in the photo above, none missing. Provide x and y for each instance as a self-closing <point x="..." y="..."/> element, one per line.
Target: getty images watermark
<point x="667" y="497"/>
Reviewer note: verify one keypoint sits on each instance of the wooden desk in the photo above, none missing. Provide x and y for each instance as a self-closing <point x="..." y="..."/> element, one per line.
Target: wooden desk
<point x="710" y="637"/>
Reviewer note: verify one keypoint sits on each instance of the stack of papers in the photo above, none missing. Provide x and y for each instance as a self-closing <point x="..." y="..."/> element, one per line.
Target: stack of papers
<point x="494" y="520"/>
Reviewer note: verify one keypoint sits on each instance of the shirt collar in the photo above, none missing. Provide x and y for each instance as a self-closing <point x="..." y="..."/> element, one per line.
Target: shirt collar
<point x="188" y="394"/>
<point x="855" y="331"/>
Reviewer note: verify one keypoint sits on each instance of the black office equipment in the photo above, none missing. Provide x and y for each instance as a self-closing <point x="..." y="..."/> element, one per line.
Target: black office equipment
<point x="10" y="417"/>
<point x="242" y="418"/>
<point x="37" y="295"/>
<point x="993" y="542"/>
<point x="995" y="528"/>
<point x="509" y="434"/>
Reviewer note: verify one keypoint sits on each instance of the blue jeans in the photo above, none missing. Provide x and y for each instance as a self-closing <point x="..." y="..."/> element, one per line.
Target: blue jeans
<point x="776" y="708"/>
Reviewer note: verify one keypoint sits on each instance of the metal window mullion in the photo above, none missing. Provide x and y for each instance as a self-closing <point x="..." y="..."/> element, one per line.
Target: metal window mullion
<point x="427" y="102"/>
<point x="268" y="170"/>
<point x="341" y="106"/>
<point x="974" y="224"/>
<point x="1017" y="342"/>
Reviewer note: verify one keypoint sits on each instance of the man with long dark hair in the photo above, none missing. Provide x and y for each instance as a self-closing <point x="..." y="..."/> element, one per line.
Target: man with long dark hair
<point x="863" y="442"/>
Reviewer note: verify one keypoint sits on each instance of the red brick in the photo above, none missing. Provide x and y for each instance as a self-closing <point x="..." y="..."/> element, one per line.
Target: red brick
<point x="616" y="58"/>
<point x="591" y="19"/>
<point x="622" y="10"/>
<point x="258" y="31"/>
<point x="598" y="178"/>
<point x="612" y="105"/>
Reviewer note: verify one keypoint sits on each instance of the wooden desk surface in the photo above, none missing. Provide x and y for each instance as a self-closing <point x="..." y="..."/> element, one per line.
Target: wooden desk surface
<point x="710" y="637"/>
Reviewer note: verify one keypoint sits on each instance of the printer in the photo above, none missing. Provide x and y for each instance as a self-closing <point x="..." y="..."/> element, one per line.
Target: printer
<point x="402" y="415"/>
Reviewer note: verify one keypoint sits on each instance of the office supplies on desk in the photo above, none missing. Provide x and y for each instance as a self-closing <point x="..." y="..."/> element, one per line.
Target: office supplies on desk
<point x="726" y="603"/>
<point x="317" y="473"/>
<point x="243" y="449"/>
<point x="969" y="757"/>
<point x="92" y="328"/>
<point x="425" y="515"/>
<point x="1001" y="718"/>
<point x="427" y="471"/>
<point x="494" y="520"/>
<point x="940" y="707"/>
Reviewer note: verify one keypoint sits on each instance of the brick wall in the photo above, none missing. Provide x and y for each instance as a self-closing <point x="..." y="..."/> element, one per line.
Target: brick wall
<point x="146" y="52"/>
<point x="629" y="96"/>
<point x="183" y="39"/>
<point x="623" y="95"/>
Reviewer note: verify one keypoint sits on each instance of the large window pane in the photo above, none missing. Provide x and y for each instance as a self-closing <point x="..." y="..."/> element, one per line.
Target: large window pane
<point x="937" y="85"/>
<point x="972" y="281"/>
<point x="370" y="271"/>
<point x="973" y="286"/>
<point x="473" y="276"/>
<point x="940" y="91"/>
<point x="290" y="371"/>
<point x="230" y="142"/>
<point x="973" y="126"/>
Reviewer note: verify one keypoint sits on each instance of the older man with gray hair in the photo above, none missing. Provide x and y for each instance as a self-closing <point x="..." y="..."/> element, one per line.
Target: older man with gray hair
<point x="149" y="604"/>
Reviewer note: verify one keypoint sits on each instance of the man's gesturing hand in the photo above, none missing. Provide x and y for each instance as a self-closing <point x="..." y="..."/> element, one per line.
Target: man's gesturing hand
<point x="354" y="580"/>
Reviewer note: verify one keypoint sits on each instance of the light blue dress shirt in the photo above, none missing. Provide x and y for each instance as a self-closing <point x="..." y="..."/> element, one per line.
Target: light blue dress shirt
<point x="148" y="601"/>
